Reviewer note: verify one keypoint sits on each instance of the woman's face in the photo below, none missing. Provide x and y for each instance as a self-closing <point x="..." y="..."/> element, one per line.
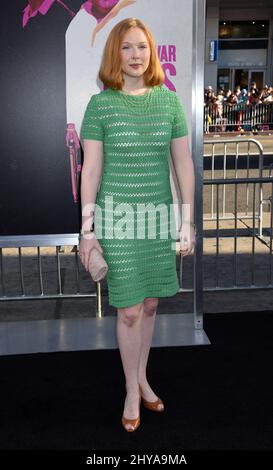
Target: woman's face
<point x="135" y="49"/>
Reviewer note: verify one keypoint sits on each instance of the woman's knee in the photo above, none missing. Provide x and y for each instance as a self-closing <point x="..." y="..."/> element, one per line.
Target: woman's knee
<point x="150" y="305"/>
<point x="130" y="315"/>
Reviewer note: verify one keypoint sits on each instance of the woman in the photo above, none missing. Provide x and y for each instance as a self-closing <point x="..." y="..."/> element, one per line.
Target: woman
<point x="127" y="132"/>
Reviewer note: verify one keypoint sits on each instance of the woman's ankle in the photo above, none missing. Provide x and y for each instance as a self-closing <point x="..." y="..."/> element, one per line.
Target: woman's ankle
<point x="132" y="388"/>
<point x="143" y="382"/>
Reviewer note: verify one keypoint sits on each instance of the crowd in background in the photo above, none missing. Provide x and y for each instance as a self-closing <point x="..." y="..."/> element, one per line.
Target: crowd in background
<point x="238" y="110"/>
<point x="238" y="96"/>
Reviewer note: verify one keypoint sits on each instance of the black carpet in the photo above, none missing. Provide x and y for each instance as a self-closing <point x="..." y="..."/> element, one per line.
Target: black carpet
<point x="216" y="397"/>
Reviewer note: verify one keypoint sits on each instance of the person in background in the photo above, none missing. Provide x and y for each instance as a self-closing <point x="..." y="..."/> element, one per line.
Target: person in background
<point x="265" y="93"/>
<point x="237" y="92"/>
<point x="232" y="99"/>
<point x="228" y="93"/>
<point x="244" y="97"/>
<point x="209" y="95"/>
<point x="253" y="88"/>
<point x="269" y="97"/>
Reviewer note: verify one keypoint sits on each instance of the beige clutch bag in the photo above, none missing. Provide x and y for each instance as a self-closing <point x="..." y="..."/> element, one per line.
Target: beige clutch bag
<point x="97" y="265"/>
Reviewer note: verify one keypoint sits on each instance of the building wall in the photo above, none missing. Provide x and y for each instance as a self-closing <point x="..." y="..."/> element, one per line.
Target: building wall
<point x="242" y="58"/>
<point x="212" y="27"/>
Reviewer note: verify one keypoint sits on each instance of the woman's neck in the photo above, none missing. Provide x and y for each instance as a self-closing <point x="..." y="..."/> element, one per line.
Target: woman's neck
<point x="134" y="87"/>
<point x="138" y="91"/>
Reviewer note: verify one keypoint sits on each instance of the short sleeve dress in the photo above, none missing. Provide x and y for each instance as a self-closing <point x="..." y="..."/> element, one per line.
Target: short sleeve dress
<point x="134" y="216"/>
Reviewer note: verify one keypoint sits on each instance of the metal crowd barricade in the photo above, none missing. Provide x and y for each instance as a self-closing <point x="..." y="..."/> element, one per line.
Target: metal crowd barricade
<point x="48" y="276"/>
<point x="53" y="284"/>
<point x="246" y="234"/>
<point x="254" y="266"/>
<point x="13" y="277"/>
<point x="238" y="117"/>
<point x="226" y="156"/>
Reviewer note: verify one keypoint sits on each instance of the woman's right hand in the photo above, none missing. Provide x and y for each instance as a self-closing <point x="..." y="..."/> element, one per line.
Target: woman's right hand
<point x="87" y="243"/>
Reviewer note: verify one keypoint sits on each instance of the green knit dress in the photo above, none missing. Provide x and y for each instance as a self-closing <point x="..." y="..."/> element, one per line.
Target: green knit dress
<point x="134" y="218"/>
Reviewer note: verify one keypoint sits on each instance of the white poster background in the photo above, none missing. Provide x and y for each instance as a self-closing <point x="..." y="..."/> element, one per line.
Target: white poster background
<point x="171" y="24"/>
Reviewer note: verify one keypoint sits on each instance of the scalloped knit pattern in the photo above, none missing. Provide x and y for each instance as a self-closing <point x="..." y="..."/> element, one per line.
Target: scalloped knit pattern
<point x="137" y="244"/>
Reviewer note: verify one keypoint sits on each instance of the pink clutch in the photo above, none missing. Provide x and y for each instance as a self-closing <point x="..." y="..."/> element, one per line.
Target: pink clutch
<point x="97" y="265"/>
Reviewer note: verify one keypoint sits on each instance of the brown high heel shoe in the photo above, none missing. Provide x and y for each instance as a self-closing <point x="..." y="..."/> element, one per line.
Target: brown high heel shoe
<point x="153" y="405"/>
<point x="133" y="422"/>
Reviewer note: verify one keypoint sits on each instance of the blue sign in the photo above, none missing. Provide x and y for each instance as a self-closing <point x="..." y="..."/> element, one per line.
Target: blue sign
<point x="213" y="51"/>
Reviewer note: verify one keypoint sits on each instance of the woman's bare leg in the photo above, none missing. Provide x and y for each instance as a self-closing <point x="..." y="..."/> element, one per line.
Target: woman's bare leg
<point x="147" y="328"/>
<point x="129" y="341"/>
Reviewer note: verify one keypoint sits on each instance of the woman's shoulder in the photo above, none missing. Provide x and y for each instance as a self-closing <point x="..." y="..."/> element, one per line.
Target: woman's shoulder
<point x="101" y="96"/>
<point x="166" y="91"/>
<point x="163" y="89"/>
<point x="104" y="93"/>
<point x="169" y="94"/>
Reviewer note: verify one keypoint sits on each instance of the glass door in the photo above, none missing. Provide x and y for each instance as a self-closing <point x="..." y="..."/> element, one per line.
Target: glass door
<point x="258" y="77"/>
<point x="223" y="79"/>
<point x="241" y="78"/>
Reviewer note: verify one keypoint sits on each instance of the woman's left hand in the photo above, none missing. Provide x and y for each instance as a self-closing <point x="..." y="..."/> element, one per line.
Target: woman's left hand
<point x="187" y="238"/>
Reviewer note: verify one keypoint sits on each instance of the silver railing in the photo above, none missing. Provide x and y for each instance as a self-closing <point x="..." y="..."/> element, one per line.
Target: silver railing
<point x="32" y="268"/>
<point x="48" y="266"/>
<point x="246" y="258"/>
<point x="237" y="242"/>
<point x="225" y="117"/>
<point x="237" y="148"/>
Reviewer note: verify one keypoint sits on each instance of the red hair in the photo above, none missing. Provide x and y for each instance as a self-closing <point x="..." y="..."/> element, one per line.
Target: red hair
<point x="110" y="71"/>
